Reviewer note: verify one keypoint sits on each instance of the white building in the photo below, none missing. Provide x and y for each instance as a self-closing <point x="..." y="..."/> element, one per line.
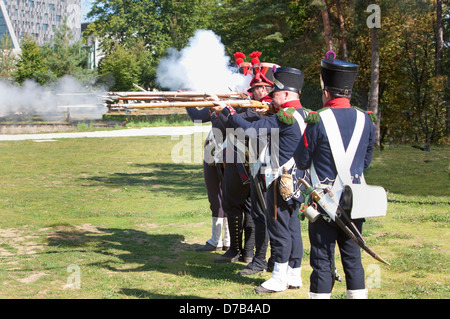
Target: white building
<point x="41" y="18"/>
<point x="6" y="28"/>
<point x="95" y="53"/>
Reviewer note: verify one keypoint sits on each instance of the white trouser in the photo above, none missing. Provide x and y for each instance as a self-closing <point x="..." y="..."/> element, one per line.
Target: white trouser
<point x="351" y="294"/>
<point x="278" y="281"/>
<point x="358" y="294"/>
<point x="294" y="277"/>
<point x="218" y="239"/>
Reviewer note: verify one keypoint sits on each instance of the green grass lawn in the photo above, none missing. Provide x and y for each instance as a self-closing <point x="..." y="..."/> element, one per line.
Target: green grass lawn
<point x="117" y="218"/>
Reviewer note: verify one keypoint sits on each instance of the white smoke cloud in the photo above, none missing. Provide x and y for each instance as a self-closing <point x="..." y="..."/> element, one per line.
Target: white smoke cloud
<point x="52" y="102"/>
<point x="201" y="66"/>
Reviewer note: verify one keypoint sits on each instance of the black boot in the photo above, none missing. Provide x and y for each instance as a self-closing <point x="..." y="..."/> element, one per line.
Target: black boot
<point x="249" y="239"/>
<point x="258" y="264"/>
<point x="233" y="253"/>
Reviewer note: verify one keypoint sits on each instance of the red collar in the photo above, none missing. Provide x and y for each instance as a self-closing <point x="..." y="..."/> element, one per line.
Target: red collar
<point x="294" y="103"/>
<point x="266" y="99"/>
<point x="338" y="103"/>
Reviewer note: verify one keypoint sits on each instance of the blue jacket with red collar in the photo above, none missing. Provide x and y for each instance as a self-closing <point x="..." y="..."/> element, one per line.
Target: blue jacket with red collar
<point x="315" y="148"/>
<point x="289" y="135"/>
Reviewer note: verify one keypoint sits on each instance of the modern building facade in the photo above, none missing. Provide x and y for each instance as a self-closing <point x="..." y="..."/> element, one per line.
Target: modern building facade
<point x="41" y="18"/>
<point x="6" y="28"/>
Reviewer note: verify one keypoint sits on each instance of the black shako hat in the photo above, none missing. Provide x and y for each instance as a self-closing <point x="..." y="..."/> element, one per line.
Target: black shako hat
<point x="287" y="79"/>
<point x="336" y="76"/>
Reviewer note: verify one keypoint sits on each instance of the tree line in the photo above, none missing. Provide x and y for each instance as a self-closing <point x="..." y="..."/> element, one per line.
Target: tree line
<point x="401" y="47"/>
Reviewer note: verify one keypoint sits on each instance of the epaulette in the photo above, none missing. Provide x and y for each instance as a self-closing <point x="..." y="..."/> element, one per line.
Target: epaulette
<point x="286" y="115"/>
<point x="314" y="117"/>
<point x="372" y="115"/>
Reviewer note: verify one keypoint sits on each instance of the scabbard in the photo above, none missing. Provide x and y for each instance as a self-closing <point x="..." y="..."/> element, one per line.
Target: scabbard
<point x="358" y="239"/>
<point x="275" y="185"/>
<point x="259" y="193"/>
<point x="219" y="168"/>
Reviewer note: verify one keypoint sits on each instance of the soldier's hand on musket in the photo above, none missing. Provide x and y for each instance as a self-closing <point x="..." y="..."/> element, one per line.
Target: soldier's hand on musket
<point x="271" y="109"/>
<point x="219" y="105"/>
<point x="261" y="110"/>
<point x="213" y="97"/>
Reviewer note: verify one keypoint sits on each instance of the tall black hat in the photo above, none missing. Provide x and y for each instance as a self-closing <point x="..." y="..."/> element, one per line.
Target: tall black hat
<point x="336" y="76"/>
<point x="266" y="68"/>
<point x="287" y="79"/>
<point x="263" y="75"/>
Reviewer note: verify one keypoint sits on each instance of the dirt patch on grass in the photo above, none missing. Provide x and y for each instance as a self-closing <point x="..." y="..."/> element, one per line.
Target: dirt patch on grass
<point x="71" y="235"/>
<point x="26" y="241"/>
<point x="32" y="278"/>
<point x="15" y="241"/>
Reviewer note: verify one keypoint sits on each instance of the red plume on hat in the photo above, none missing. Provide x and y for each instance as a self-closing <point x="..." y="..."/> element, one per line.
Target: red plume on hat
<point x="260" y="77"/>
<point x="255" y="55"/>
<point x="239" y="57"/>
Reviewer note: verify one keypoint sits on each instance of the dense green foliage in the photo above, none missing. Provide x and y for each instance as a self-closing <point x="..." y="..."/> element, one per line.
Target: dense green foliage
<point x="66" y="57"/>
<point x="413" y="82"/>
<point x="31" y="64"/>
<point x="291" y="33"/>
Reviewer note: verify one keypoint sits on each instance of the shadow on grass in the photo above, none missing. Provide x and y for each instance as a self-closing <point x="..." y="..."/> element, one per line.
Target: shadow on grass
<point x="138" y="251"/>
<point x="144" y="294"/>
<point x="180" y="179"/>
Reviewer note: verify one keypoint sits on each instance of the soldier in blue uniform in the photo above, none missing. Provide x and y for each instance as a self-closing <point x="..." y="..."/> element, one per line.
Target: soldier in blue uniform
<point x="236" y="196"/>
<point x="260" y="87"/>
<point x="213" y="175"/>
<point x="285" y="129"/>
<point x="236" y="187"/>
<point x="315" y="151"/>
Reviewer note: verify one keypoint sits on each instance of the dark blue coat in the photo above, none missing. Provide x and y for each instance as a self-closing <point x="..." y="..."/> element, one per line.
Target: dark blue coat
<point x="315" y="147"/>
<point x="245" y="113"/>
<point x="289" y="135"/>
<point x="206" y="115"/>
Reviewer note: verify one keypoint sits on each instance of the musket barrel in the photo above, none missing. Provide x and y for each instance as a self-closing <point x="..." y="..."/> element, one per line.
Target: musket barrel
<point x="163" y="94"/>
<point x="234" y="103"/>
<point x="160" y="98"/>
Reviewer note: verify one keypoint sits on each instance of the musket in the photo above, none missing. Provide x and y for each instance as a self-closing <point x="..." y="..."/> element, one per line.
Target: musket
<point x="233" y="103"/>
<point x="171" y="94"/>
<point x="139" y="88"/>
<point x="345" y="223"/>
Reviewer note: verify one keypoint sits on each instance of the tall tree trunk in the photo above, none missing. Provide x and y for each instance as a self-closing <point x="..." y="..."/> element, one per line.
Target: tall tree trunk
<point x="375" y="83"/>
<point x="439" y="37"/>
<point x="326" y="25"/>
<point x="439" y="50"/>
<point x="342" y="28"/>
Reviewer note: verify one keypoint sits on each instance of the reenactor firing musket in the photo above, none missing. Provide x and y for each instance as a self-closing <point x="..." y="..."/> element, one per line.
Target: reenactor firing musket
<point x="149" y="99"/>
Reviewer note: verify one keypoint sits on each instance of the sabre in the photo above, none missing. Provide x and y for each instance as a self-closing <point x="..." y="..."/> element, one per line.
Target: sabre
<point x="346" y="225"/>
